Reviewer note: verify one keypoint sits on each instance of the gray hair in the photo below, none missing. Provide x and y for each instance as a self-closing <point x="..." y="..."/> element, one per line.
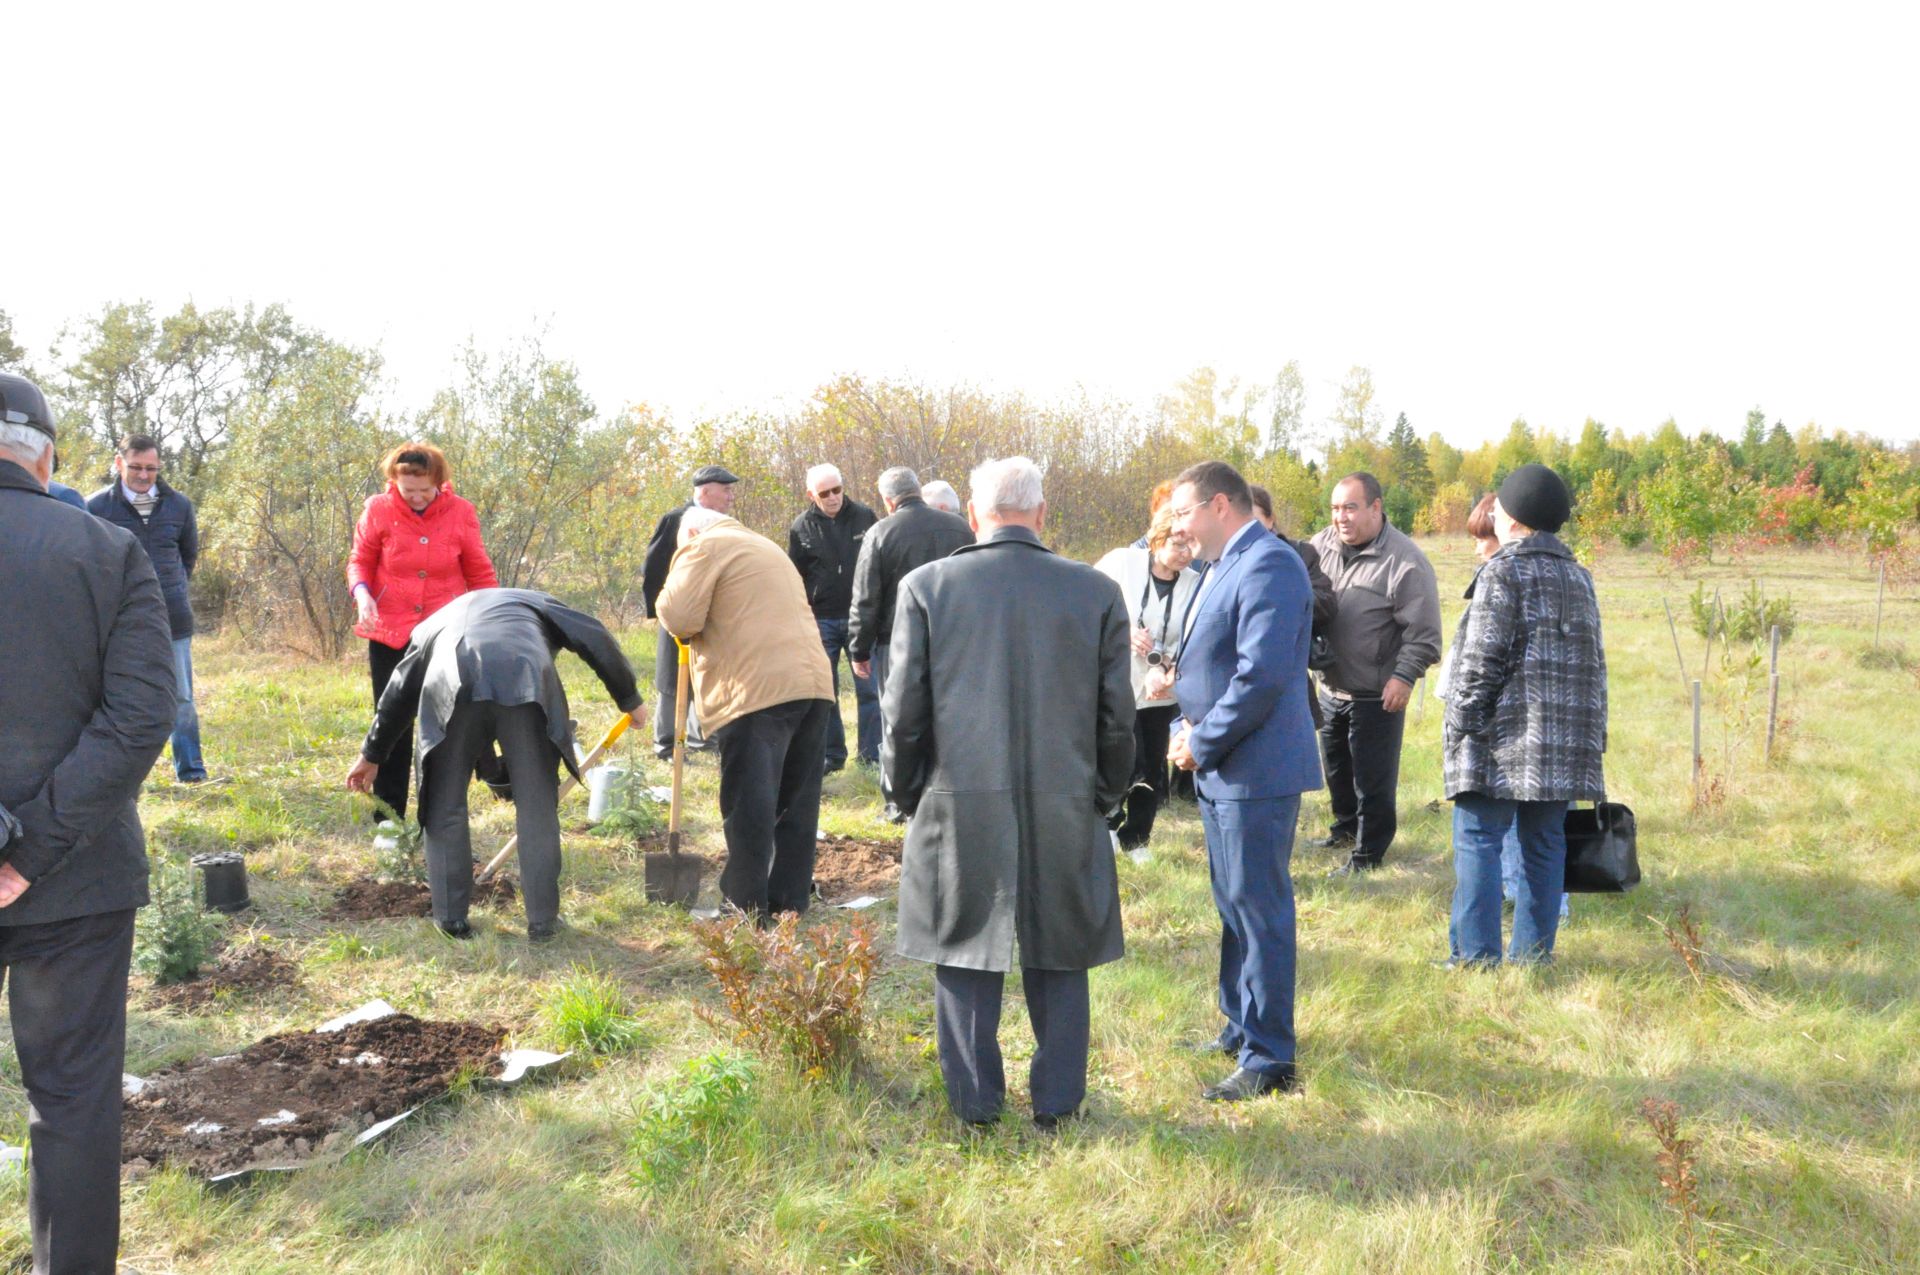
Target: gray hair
<point x="940" y="494"/>
<point x="898" y="483"/>
<point x="697" y="518"/>
<point x="25" y="442"/>
<point x="1007" y="486"/>
<point x="820" y="473"/>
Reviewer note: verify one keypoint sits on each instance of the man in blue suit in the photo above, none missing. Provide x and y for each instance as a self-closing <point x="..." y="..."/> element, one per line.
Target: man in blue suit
<point x="1249" y="738"/>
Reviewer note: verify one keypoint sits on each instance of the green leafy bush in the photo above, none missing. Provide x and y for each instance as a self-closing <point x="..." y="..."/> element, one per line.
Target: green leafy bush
<point x="675" y="1123"/>
<point x="792" y="992"/>
<point x="635" y="814"/>
<point x="400" y="857"/>
<point x="1748" y="618"/>
<point x="175" y="934"/>
<point x="588" y="1010"/>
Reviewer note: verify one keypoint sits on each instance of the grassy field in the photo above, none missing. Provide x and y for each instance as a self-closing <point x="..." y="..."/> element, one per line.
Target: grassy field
<point x="1450" y="1122"/>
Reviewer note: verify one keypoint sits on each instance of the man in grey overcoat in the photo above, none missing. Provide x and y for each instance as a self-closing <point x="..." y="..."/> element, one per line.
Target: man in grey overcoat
<point x="86" y="702"/>
<point x="1009" y="739"/>
<point x="481" y="669"/>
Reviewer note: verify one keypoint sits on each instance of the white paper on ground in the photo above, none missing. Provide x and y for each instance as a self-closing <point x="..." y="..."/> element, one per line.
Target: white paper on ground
<point x="854" y="905"/>
<point x="704" y="914"/>
<point x="12" y="1159"/>
<point x="367" y="1013"/>
<point x="518" y="1062"/>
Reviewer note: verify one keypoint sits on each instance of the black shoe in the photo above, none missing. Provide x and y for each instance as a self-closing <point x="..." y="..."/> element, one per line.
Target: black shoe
<point x="1052" y="1122"/>
<point x="1221" y="1044"/>
<point x="893" y="814"/>
<point x="1336" y="841"/>
<point x="543" y="933"/>
<point x="1354" y="867"/>
<point x="458" y="930"/>
<point x="662" y="754"/>
<point x="1244" y="1084"/>
<point x="832" y="767"/>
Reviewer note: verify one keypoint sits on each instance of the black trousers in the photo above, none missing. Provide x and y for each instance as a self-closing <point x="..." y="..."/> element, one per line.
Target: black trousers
<point x="1152" y="732"/>
<point x="396" y="772"/>
<point x="1360" y="744"/>
<point x="666" y="692"/>
<point x="770" y="770"/>
<point x="534" y="763"/>
<point x="67" y="999"/>
<point x="966" y="1014"/>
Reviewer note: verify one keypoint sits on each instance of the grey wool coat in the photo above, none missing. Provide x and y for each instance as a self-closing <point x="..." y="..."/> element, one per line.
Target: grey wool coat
<point x="86" y="703"/>
<point x="1009" y="735"/>
<point x="496" y="645"/>
<point x="1527" y="698"/>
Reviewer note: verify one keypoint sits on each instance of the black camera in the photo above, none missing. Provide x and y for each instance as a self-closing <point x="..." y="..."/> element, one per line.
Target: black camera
<point x="1160" y="657"/>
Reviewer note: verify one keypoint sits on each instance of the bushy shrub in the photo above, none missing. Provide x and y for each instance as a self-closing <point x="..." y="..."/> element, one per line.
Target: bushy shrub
<point x="1747" y="618"/>
<point x="792" y="992"/>
<point x="675" y="1122"/>
<point x="396" y="849"/>
<point x="175" y="934"/>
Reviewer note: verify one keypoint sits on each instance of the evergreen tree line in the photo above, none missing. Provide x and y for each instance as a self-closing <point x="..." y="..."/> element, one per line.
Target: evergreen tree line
<point x="276" y="430"/>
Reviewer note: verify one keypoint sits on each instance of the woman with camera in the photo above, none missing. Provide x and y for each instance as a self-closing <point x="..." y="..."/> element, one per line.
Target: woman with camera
<point x="1157" y="582"/>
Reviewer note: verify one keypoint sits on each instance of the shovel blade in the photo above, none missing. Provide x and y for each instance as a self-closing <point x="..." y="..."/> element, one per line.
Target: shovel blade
<point x="673" y="878"/>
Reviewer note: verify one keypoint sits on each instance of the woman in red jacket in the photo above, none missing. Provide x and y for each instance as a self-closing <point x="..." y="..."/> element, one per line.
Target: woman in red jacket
<point x="416" y="549"/>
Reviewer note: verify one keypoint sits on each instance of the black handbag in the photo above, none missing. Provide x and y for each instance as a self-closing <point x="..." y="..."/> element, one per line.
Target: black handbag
<point x="1602" y="849"/>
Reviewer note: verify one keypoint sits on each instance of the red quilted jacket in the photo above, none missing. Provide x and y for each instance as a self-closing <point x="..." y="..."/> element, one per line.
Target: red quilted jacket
<point x="416" y="563"/>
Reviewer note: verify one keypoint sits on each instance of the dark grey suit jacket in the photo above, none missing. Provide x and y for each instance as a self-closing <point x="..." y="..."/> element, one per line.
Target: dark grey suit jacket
<point x="495" y="645"/>
<point x="86" y="702"/>
<point x="1009" y="735"/>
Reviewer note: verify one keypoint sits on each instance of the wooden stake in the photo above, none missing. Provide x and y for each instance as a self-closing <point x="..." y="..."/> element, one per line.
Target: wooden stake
<point x="1678" y="658"/>
<point x="1878" y="603"/>
<point x="1773" y="689"/>
<point x="1696" y="745"/>
<point x="1713" y="619"/>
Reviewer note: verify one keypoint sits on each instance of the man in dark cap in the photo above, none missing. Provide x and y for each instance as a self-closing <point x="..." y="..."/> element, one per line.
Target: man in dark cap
<point x="712" y="489"/>
<point x="87" y="701"/>
<point x="1526" y="721"/>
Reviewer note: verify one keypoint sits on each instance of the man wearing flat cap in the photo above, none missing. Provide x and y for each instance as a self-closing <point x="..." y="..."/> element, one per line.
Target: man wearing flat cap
<point x="1526" y="720"/>
<point x="712" y="489"/>
<point x="87" y="702"/>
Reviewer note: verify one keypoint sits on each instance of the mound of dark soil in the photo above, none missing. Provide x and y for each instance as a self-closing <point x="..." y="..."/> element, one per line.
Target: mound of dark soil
<point x="291" y="1098"/>
<point x="365" y="899"/>
<point x="246" y="970"/>
<point x="846" y="867"/>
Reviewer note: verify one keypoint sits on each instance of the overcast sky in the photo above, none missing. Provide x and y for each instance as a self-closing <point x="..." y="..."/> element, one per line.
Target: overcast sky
<point x="1622" y="211"/>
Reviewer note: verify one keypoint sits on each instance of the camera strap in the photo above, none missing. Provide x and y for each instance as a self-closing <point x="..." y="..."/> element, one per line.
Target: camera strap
<point x="1166" y="614"/>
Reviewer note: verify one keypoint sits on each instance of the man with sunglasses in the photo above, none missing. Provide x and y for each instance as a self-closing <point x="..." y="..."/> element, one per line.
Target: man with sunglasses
<point x="162" y="520"/>
<point x="824" y="543"/>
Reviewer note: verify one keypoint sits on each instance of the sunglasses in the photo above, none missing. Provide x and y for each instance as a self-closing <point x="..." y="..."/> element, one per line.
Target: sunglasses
<point x="824" y="492"/>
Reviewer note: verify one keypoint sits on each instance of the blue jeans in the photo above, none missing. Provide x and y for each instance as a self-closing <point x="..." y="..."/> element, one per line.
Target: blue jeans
<point x="187" y="762"/>
<point x="1510" y="870"/>
<point x="1480" y="826"/>
<point x="1249" y="848"/>
<point x="833" y="636"/>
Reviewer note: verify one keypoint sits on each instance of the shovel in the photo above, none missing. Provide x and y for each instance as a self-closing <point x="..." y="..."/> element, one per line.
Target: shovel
<point x="671" y="877"/>
<point x="607" y="741"/>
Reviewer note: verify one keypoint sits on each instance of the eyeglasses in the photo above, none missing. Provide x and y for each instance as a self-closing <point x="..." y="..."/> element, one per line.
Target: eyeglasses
<point x="1180" y="515"/>
<point x="141" y="469"/>
<point x="824" y="492"/>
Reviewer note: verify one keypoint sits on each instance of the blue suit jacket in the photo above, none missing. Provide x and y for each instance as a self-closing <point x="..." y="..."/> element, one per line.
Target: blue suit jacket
<point x="1242" y="678"/>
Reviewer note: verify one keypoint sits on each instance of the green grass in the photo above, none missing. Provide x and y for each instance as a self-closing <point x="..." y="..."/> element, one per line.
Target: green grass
<point x="1449" y="1123"/>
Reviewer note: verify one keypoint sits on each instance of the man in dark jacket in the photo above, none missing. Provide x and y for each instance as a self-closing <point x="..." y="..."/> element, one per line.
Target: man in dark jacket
<point x="480" y="669"/>
<point x="1010" y="737"/>
<point x="712" y="489"/>
<point x="162" y="520"/>
<point x="86" y="702"/>
<point x="911" y="535"/>
<point x="824" y="543"/>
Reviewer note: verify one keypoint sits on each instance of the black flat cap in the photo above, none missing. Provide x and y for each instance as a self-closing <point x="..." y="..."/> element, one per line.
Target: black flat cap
<point x="712" y="474"/>
<point x="22" y="403"/>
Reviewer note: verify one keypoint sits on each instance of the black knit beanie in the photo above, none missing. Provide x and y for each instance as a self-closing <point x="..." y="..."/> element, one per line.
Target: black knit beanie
<point x="1536" y="497"/>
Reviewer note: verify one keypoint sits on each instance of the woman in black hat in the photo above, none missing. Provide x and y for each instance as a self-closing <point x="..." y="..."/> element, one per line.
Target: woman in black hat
<point x="1526" y="720"/>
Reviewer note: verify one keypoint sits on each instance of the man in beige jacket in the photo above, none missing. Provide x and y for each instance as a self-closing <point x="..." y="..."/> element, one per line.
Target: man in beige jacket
<point x="764" y="694"/>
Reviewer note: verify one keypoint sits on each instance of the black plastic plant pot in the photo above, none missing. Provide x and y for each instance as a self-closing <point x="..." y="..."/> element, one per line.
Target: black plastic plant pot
<point x="225" y="876"/>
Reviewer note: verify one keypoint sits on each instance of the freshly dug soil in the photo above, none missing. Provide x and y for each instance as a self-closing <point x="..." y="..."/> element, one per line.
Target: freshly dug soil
<point x="846" y="867"/>
<point x="315" y="1091"/>
<point x="246" y="970"/>
<point x="365" y="899"/>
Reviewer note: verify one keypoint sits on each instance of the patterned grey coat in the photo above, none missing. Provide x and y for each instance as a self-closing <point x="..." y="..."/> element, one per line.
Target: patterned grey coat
<point x="1527" y="699"/>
